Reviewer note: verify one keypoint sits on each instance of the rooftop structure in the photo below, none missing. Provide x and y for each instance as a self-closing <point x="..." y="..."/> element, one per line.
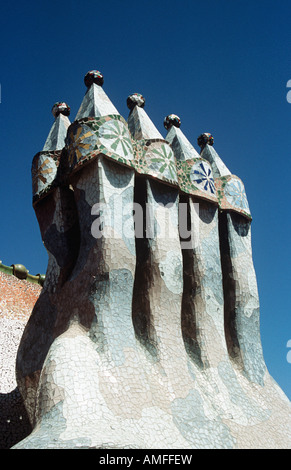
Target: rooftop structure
<point x="19" y="292"/>
<point x="146" y="333"/>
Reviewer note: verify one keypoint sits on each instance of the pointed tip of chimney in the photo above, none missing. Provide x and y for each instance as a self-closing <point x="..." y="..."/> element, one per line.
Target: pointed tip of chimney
<point x="205" y="138"/>
<point x="60" y="107"/>
<point x="135" y="99"/>
<point x="93" y="76"/>
<point x="172" y="120"/>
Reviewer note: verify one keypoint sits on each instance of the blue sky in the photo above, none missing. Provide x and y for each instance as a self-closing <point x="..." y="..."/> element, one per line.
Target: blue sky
<point x="221" y="65"/>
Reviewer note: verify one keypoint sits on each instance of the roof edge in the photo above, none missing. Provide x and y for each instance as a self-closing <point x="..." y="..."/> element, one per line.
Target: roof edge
<point x="20" y="271"/>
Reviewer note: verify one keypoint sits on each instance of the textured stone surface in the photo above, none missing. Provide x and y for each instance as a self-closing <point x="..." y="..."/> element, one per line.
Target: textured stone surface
<point x="139" y="340"/>
<point x="58" y="133"/>
<point x="182" y="147"/>
<point x="17" y="299"/>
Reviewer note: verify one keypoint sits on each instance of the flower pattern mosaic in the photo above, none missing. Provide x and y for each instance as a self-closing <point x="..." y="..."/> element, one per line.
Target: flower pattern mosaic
<point x="43" y="171"/>
<point x="231" y="195"/>
<point x="201" y="175"/>
<point x="185" y="169"/>
<point x="115" y="137"/>
<point x="235" y="194"/>
<point x="161" y="161"/>
<point x="80" y="140"/>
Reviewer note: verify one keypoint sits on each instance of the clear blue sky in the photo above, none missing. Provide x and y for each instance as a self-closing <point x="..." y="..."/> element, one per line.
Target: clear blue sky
<point x="221" y="65"/>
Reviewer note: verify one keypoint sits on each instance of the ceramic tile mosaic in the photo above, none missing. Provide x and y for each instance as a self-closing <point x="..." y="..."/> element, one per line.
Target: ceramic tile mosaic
<point x="181" y="146"/>
<point x="44" y="172"/>
<point x="17" y="299"/>
<point x="58" y="132"/>
<point x="139" y="340"/>
<point x="231" y="195"/>
<point x="230" y="189"/>
<point x="90" y="137"/>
